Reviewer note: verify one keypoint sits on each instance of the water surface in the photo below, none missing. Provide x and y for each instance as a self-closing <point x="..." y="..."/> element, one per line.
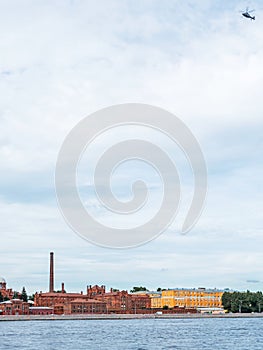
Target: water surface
<point x="157" y="334"/>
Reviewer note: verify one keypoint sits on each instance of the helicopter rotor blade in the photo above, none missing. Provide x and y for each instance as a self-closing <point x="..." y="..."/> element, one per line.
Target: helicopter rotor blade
<point x="251" y="11"/>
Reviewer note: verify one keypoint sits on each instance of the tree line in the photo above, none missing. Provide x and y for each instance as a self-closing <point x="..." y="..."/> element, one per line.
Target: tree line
<point x="243" y="301"/>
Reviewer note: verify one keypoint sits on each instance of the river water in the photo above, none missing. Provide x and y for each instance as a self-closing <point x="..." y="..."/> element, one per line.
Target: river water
<point x="245" y="333"/>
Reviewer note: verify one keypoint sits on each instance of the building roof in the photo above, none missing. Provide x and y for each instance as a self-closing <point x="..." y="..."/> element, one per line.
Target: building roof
<point x="6" y="302"/>
<point x="210" y="290"/>
<point x="146" y="292"/>
<point x="11" y="301"/>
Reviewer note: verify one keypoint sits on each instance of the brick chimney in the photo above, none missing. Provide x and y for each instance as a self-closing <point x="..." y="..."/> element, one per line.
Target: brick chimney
<point x="62" y="287"/>
<point x="51" y="273"/>
<point x="89" y="290"/>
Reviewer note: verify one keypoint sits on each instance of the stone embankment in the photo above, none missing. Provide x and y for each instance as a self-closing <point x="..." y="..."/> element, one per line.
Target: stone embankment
<point x="122" y="316"/>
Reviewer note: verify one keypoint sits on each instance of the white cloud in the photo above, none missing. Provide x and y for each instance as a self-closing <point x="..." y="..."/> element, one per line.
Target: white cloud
<point x="61" y="61"/>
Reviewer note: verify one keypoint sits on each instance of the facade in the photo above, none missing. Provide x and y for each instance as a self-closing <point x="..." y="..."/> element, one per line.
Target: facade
<point x="66" y="303"/>
<point x="156" y="300"/>
<point x="14" y="307"/>
<point x="35" y="310"/>
<point x="96" y="290"/>
<point x="120" y="301"/>
<point x="192" y="298"/>
<point x="97" y="300"/>
<point x="52" y="299"/>
<point x="85" y="306"/>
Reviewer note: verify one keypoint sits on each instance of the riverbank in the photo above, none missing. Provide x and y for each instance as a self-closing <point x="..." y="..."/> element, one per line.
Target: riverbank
<point x="122" y="317"/>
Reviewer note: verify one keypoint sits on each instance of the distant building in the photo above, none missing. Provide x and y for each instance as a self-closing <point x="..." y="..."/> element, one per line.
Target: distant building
<point x="85" y="306"/>
<point x="66" y="303"/>
<point x="155" y="298"/>
<point x="96" y="299"/>
<point x="120" y="301"/>
<point x="6" y="293"/>
<point x="14" y="307"/>
<point x="192" y="298"/>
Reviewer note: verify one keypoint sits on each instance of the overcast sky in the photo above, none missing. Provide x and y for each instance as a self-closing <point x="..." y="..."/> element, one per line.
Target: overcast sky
<point x="202" y="61"/>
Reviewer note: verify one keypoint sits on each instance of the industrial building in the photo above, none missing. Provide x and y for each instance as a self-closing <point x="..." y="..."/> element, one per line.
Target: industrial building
<point x="95" y="300"/>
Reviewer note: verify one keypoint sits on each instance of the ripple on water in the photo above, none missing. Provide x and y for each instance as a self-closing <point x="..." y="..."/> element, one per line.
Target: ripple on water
<point x="157" y="334"/>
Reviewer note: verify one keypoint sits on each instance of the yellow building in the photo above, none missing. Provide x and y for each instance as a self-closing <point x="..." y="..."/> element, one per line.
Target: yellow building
<point x="192" y="298"/>
<point x="156" y="300"/>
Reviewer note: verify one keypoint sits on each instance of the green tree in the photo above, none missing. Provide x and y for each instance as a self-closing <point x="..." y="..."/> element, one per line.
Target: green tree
<point x="31" y="297"/>
<point x="259" y="298"/>
<point x="16" y="294"/>
<point x="24" y="296"/>
<point x="138" y="289"/>
<point x="226" y="301"/>
<point x="243" y="301"/>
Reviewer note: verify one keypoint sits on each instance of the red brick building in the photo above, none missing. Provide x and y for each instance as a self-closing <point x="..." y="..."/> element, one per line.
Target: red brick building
<point x="66" y="303"/>
<point x="41" y="310"/>
<point x="120" y="301"/>
<point x="96" y="300"/>
<point x="6" y="293"/>
<point x="85" y="306"/>
<point x="14" y="307"/>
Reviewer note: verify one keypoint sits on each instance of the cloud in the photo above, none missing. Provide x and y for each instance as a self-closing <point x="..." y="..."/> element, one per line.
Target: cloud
<point x="253" y="281"/>
<point x="60" y="62"/>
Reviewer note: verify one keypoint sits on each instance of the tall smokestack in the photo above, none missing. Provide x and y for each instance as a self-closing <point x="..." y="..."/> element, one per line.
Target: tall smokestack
<point x="51" y="273"/>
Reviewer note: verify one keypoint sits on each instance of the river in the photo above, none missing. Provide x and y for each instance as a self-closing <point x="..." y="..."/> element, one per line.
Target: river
<point x="142" y="334"/>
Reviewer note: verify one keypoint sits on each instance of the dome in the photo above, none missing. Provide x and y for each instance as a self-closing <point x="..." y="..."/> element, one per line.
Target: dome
<point x="2" y="280"/>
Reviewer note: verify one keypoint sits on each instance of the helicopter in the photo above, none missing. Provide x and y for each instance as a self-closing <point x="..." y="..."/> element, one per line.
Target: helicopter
<point x="247" y="14"/>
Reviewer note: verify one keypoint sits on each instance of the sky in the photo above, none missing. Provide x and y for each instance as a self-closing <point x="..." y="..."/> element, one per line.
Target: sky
<point x="63" y="60"/>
